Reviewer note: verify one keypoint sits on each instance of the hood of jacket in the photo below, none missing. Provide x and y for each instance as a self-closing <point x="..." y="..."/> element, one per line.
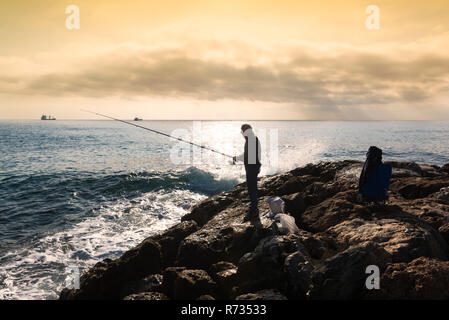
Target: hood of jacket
<point x="249" y="133"/>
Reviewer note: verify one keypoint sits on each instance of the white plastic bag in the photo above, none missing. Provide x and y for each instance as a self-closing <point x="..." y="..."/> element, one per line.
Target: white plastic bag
<point x="285" y="224"/>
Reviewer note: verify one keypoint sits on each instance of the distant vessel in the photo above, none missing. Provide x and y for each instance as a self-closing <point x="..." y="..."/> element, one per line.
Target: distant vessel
<point x="44" y="117"/>
<point x="137" y="119"/>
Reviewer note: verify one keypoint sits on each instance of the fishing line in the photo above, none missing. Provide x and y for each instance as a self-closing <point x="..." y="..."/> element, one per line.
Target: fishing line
<point x="161" y="133"/>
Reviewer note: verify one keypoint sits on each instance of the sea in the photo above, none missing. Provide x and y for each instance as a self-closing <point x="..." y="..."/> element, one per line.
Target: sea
<point x="73" y="193"/>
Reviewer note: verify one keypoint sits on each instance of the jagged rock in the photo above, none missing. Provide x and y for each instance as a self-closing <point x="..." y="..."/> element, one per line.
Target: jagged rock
<point x="317" y="192"/>
<point x="445" y="168"/>
<point x="442" y="194"/>
<point x="350" y="173"/>
<point x="182" y="283"/>
<point x="281" y="185"/>
<point x="187" y="284"/>
<point x="170" y="239"/>
<point x="413" y="188"/>
<point x="298" y="268"/>
<point x="343" y="275"/>
<point x="295" y="205"/>
<point x="268" y="294"/>
<point x="403" y="238"/>
<point x="106" y="279"/>
<point x="432" y="211"/>
<point x="444" y="231"/>
<point x="430" y="170"/>
<point x="206" y="209"/>
<point x="214" y="253"/>
<point x="224" y="237"/>
<point x="222" y="266"/>
<point x="292" y="185"/>
<point x="422" y="278"/>
<point x="169" y="277"/>
<point x="318" y="246"/>
<point x="325" y="171"/>
<point x="146" y="296"/>
<point x="206" y="297"/>
<point x="331" y="212"/>
<point x="227" y="280"/>
<point x="225" y="275"/>
<point x="403" y="169"/>
<point x="263" y="267"/>
<point x="152" y="283"/>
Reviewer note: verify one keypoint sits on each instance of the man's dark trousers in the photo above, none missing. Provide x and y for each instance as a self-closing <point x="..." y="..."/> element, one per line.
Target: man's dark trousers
<point x="252" y="170"/>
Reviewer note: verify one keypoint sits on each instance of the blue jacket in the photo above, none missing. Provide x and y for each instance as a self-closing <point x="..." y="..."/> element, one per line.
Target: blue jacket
<point x="379" y="182"/>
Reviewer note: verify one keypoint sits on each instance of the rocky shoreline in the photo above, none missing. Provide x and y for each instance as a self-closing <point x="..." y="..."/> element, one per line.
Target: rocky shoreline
<point x="213" y="254"/>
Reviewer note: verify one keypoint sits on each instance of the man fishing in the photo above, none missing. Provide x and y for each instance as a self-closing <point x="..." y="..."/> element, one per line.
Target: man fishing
<point x="251" y="159"/>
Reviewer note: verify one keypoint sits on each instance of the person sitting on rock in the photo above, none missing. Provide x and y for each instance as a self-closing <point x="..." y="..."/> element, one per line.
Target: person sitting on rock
<point x="251" y="159"/>
<point x="375" y="177"/>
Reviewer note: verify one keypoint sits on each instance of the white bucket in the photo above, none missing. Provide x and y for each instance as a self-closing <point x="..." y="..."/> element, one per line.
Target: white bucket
<point x="275" y="205"/>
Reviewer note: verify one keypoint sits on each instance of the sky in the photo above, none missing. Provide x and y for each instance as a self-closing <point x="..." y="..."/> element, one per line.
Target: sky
<point x="225" y="59"/>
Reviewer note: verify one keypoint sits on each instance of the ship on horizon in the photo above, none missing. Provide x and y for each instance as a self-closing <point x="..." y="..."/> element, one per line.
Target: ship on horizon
<point x="44" y="117"/>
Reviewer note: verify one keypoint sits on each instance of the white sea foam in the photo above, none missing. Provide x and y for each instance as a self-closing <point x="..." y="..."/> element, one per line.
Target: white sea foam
<point x="38" y="271"/>
<point x="291" y="157"/>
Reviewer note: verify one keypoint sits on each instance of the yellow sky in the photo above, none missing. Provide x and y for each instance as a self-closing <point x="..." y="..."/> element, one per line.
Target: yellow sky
<point x="204" y="59"/>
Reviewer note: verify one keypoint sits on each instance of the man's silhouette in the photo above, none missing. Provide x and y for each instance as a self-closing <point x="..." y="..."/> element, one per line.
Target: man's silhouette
<point x="251" y="159"/>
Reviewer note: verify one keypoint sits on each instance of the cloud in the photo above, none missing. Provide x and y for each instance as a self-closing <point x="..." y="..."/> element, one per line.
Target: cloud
<point x="327" y="82"/>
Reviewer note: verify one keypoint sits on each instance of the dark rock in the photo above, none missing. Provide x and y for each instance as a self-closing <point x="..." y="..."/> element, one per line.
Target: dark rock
<point x="292" y="185"/>
<point x="181" y="283"/>
<point x="225" y="275"/>
<point x="442" y="194"/>
<point x="404" y="238"/>
<point x="276" y="185"/>
<point x="169" y="277"/>
<point x="263" y="267"/>
<point x="213" y="253"/>
<point x="413" y="188"/>
<point x="106" y="279"/>
<point x="298" y="268"/>
<point x="422" y="278"/>
<point x="444" y="231"/>
<point x="430" y="210"/>
<point x="222" y="266"/>
<point x="412" y="167"/>
<point x="206" y="297"/>
<point x="316" y="245"/>
<point x="191" y="284"/>
<point x="430" y="170"/>
<point x="317" y="192"/>
<point x="325" y="171"/>
<point x="445" y="168"/>
<point x="146" y="296"/>
<point x="268" y="294"/>
<point x="152" y="283"/>
<point x="331" y="212"/>
<point x="224" y="237"/>
<point x="170" y="240"/>
<point x="205" y="210"/>
<point x="295" y="205"/>
<point x="343" y="275"/>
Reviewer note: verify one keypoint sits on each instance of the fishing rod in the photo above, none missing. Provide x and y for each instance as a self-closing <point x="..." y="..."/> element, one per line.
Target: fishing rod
<point x="158" y="132"/>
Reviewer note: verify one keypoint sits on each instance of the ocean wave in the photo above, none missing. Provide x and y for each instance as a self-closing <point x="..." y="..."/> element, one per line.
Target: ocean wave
<point x="192" y="178"/>
<point x="133" y="206"/>
<point x="32" y="205"/>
